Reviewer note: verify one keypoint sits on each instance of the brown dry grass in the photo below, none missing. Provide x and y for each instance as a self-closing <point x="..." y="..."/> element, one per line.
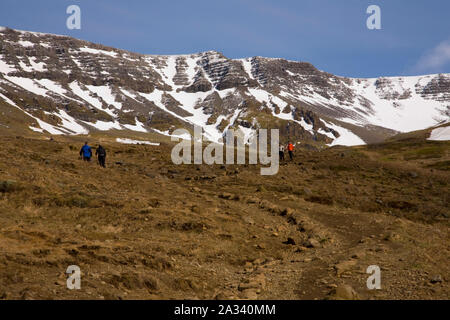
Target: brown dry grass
<point x="148" y="229"/>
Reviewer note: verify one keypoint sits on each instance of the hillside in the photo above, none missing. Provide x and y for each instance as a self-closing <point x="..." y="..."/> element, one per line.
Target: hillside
<point x="52" y="84"/>
<point x="144" y="228"/>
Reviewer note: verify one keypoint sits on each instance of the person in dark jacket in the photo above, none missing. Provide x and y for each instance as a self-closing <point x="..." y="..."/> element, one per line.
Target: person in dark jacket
<point x="281" y="152"/>
<point x="86" y="152"/>
<point x="101" y="154"/>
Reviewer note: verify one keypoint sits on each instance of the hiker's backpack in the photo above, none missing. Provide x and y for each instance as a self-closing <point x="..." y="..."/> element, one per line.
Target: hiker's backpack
<point x="101" y="152"/>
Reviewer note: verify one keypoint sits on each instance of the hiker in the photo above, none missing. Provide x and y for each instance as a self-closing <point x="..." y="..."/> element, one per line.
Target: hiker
<point x="101" y="154"/>
<point x="86" y="152"/>
<point x="290" y="148"/>
<point x="281" y="152"/>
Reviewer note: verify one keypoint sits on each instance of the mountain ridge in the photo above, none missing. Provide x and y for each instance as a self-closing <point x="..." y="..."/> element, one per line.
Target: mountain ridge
<point x="73" y="86"/>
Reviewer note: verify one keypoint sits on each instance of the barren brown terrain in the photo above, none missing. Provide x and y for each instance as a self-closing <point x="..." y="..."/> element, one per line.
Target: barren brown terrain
<point x="144" y="228"/>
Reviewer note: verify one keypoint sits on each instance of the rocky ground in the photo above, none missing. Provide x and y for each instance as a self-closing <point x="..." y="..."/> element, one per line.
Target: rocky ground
<point x="144" y="228"/>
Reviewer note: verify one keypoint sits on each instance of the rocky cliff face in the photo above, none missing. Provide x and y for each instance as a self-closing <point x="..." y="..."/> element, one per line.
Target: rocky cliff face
<point x="70" y="86"/>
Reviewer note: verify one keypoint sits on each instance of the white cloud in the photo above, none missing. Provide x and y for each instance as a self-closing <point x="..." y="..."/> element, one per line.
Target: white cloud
<point x="436" y="59"/>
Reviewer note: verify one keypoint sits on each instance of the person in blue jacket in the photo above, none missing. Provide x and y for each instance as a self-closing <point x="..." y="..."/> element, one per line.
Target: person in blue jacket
<point x="86" y="152"/>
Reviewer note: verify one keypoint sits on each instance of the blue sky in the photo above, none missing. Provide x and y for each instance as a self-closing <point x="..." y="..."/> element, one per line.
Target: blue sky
<point x="331" y="34"/>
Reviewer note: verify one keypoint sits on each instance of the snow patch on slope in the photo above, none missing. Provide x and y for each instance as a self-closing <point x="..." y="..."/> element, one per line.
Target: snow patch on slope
<point x="52" y="86"/>
<point x="44" y="125"/>
<point x="25" y="43"/>
<point x="166" y="133"/>
<point x="131" y="141"/>
<point x="106" y="94"/>
<point x="85" y="95"/>
<point x="98" y="51"/>
<point x="105" y="125"/>
<point x="27" y="84"/>
<point x="70" y="123"/>
<point x="34" y="66"/>
<point x="191" y="70"/>
<point x="346" y="137"/>
<point x="6" y="68"/>
<point x="440" y="134"/>
<point x="247" y="64"/>
<point x="408" y="114"/>
<point x="139" y="126"/>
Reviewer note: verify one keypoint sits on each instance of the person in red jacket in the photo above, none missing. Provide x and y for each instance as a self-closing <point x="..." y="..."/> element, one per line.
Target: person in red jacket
<point x="290" y="148"/>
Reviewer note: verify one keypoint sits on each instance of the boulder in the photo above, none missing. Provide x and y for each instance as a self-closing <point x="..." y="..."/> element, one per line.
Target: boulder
<point x="436" y="279"/>
<point x="344" y="266"/>
<point x="312" y="243"/>
<point x="9" y="186"/>
<point x="290" y="241"/>
<point x="344" y="292"/>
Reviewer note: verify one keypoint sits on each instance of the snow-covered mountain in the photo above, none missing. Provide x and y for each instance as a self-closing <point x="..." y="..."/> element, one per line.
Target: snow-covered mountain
<point x="68" y="86"/>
